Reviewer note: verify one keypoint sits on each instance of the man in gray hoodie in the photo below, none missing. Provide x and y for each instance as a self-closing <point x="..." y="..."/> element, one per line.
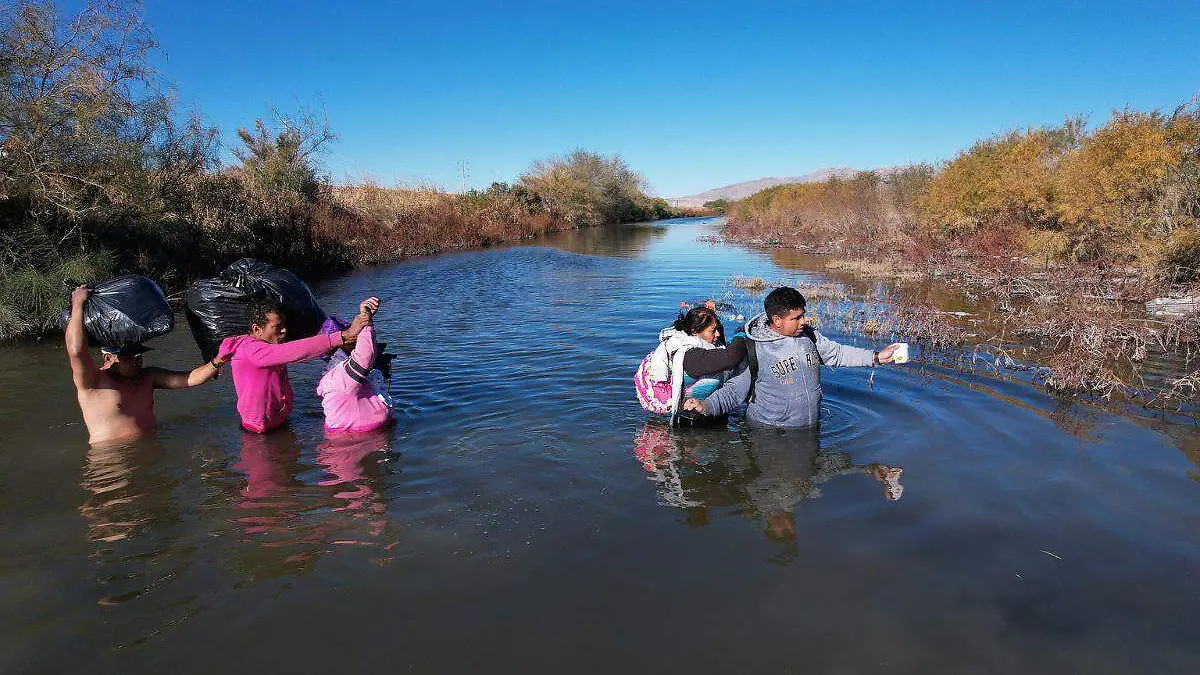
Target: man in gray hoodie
<point x="787" y="389"/>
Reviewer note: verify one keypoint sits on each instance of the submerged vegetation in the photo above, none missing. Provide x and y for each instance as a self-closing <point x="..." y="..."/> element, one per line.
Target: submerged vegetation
<point x="1067" y="230"/>
<point x="102" y="173"/>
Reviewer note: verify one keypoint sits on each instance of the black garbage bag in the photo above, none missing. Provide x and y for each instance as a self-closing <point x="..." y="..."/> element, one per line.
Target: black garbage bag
<point x="216" y="308"/>
<point x="124" y="311"/>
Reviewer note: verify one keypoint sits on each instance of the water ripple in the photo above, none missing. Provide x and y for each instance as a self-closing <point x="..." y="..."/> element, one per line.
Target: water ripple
<point x="522" y="480"/>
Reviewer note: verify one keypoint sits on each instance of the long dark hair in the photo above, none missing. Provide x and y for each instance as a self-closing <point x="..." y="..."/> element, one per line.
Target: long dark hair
<point x="697" y="319"/>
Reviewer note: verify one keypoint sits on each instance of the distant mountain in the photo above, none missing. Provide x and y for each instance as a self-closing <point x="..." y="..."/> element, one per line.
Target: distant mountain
<point x="741" y="190"/>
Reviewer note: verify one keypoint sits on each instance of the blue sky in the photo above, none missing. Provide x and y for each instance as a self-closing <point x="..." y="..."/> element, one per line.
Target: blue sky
<point x="693" y="95"/>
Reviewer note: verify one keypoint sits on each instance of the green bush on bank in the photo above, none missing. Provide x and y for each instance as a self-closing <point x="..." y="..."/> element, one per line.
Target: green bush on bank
<point x="717" y="206"/>
<point x="584" y="188"/>
<point x="93" y="154"/>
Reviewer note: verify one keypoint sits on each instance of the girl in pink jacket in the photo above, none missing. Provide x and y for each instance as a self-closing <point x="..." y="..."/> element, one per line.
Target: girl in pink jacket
<point x="259" y="362"/>
<point x="350" y="400"/>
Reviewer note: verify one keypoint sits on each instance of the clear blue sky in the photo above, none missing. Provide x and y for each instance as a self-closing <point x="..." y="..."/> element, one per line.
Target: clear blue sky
<point x="693" y="95"/>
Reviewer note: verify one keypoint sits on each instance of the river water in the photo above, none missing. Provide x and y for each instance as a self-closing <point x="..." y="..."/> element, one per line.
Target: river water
<point x="525" y="516"/>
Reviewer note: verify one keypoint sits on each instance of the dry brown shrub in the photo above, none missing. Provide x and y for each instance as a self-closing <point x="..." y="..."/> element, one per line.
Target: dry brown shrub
<point x="867" y="212"/>
<point x="754" y="284"/>
<point x="397" y="222"/>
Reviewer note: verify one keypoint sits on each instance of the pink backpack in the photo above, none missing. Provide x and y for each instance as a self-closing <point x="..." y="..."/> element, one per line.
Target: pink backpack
<point x="655" y="397"/>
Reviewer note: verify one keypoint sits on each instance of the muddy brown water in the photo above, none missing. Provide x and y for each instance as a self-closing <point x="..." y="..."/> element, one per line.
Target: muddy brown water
<point x="526" y="516"/>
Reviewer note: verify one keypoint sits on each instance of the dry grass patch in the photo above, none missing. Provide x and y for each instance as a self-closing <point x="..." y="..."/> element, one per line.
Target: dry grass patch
<point x="752" y="284"/>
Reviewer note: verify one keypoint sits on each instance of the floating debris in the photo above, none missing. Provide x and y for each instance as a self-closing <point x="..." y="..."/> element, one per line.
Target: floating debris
<point x="1161" y="308"/>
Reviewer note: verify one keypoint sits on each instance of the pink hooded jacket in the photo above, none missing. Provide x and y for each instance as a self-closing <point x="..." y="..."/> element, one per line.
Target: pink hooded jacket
<point x="264" y="395"/>
<point x="350" y="402"/>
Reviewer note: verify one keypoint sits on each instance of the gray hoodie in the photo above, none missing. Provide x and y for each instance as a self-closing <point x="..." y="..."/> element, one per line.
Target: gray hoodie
<point x="788" y="390"/>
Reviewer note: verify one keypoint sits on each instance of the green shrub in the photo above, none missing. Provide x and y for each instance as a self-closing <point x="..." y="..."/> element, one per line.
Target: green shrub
<point x="31" y="297"/>
<point x="586" y="188"/>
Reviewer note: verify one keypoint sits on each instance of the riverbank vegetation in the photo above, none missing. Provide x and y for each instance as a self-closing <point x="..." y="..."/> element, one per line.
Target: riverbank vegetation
<point x="103" y="173"/>
<point x="1068" y="230"/>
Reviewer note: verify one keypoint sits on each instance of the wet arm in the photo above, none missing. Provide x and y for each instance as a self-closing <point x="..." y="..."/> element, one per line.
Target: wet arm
<point x="731" y="395"/>
<point x="701" y="362"/>
<point x="84" y="371"/>
<point x="265" y="355"/>
<point x="177" y="379"/>
<point x="834" y="354"/>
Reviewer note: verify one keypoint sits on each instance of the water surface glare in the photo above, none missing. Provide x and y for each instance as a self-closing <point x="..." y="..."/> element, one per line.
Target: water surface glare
<point x="524" y="516"/>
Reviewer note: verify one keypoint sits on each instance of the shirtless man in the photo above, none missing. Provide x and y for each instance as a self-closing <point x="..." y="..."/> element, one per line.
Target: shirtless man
<point x="117" y="398"/>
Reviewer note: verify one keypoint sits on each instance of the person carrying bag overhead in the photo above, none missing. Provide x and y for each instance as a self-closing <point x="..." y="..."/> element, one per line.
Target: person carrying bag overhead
<point x="260" y="359"/>
<point x="117" y="397"/>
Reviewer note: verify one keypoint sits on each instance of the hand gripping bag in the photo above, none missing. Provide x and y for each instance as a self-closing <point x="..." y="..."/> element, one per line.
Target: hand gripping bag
<point x="216" y="308"/>
<point x="124" y="311"/>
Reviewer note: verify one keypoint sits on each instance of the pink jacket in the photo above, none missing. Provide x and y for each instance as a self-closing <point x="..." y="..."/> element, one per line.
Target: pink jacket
<point x="350" y="402"/>
<point x="264" y="395"/>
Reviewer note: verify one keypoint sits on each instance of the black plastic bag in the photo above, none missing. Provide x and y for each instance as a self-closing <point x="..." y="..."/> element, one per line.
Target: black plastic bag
<point x="124" y="311"/>
<point x="216" y="308"/>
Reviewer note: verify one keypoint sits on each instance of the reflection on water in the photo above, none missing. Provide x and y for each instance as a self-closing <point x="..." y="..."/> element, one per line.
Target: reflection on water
<point x="289" y="511"/>
<point x="1075" y="419"/>
<point x="117" y="504"/>
<point x="294" y="514"/>
<point x="1026" y="533"/>
<point x="345" y="458"/>
<point x="609" y="241"/>
<point x="767" y="472"/>
<point x="129" y="510"/>
<point x="923" y="291"/>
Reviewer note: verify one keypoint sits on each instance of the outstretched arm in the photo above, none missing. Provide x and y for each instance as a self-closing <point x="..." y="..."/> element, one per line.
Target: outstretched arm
<point x="834" y="354"/>
<point x="177" y="379"/>
<point x="700" y="362"/>
<point x="84" y="370"/>
<point x="364" y="346"/>
<point x="731" y="395"/>
<point x="264" y="354"/>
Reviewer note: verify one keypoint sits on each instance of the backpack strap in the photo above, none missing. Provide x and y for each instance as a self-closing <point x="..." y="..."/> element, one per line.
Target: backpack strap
<point x="752" y="357"/>
<point x="677" y="378"/>
<point x="811" y="334"/>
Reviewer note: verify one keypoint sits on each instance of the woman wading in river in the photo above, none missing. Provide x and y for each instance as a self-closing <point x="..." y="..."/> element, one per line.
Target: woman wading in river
<point x="351" y="389"/>
<point x="690" y="352"/>
<point x="260" y="360"/>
